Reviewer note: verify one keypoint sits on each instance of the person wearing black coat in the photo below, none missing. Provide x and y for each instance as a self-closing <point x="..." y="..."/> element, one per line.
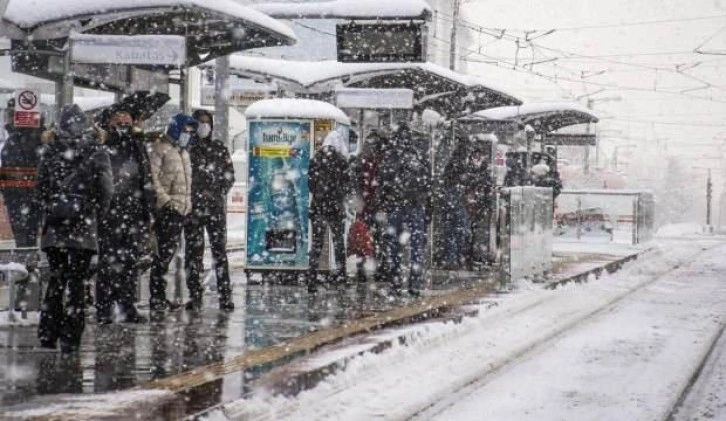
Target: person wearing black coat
<point x="20" y="157"/>
<point x="329" y="181"/>
<point x="212" y="178"/>
<point x="124" y="229"/>
<point x="74" y="188"/>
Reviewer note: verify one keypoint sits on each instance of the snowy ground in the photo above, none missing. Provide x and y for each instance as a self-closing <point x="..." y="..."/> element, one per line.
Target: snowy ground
<point x="621" y="347"/>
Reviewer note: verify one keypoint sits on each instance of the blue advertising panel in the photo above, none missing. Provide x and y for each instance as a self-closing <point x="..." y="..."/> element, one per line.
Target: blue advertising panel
<point x="278" y="194"/>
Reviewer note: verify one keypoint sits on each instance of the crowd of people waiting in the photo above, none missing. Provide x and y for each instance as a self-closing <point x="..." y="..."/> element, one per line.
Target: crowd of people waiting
<point x="108" y="188"/>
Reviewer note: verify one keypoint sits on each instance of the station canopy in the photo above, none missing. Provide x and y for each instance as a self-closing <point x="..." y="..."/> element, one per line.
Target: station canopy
<point x="348" y="9"/>
<point x="440" y="89"/>
<point x="212" y="27"/>
<point x="543" y="117"/>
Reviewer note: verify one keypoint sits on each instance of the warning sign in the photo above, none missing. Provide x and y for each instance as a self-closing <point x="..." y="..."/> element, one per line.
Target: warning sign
<point x="27" y="110"/>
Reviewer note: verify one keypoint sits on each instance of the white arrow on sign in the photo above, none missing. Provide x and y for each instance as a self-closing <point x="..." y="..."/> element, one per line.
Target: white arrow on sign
<point x="167" y="50"/>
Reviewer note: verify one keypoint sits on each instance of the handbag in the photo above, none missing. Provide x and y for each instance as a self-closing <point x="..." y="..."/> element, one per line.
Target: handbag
<point x="360" y="242"/>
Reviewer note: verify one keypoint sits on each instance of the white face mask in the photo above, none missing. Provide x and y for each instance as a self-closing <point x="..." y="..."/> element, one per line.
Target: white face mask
<point x="204" y="130"/>
<point x="184" y="139"/>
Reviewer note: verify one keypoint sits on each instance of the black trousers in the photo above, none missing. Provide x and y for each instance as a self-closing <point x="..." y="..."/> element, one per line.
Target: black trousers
<point x="24" y="216"/>
<point x="59" y="321"/>
<point x="320" y="221"/>
<point x="168" y="229"/>
<point x="117" y="274"/>
<point x="213" y="219"/>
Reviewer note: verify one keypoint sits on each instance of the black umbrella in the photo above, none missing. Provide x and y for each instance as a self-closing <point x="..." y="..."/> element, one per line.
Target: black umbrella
<point x="141" y="105"/>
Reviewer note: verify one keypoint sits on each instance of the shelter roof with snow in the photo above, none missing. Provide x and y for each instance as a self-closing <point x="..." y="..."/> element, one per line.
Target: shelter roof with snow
<point x="212" y="28"/>
<point x="295" y="108"/>
<point x="544" y="117"/>
<point x="447" y="92"/>
<point x="348" y="9"/>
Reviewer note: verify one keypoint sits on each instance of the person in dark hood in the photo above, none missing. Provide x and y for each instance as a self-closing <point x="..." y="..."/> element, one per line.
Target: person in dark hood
<point x="478" y="192"/>
<point x="171" y="173"/>
<point x="329" y="184"/>
<point x="124" y="229"/>
<point x="212" y="178"/>
<point x="20" y="157"/>
<point x="405" y="186"/>
<point x="74" y="189"/>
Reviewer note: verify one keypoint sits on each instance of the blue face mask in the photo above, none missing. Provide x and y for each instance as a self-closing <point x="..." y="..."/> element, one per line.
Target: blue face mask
<point x="185" y="139"/>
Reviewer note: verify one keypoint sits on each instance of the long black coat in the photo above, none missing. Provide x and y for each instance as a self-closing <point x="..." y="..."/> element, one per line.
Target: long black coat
<point x="212" y="173"/>
<point x="94" y="182"/>
<point x="127" y="221"/>
<point x="329" y="181"/>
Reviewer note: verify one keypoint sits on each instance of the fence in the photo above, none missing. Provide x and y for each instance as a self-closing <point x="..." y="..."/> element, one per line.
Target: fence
<point x="615" y="216"/>
<point x="526" y="236"/>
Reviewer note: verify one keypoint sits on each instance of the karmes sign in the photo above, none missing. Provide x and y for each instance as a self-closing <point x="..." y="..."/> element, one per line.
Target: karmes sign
<point x="152" y="50"/>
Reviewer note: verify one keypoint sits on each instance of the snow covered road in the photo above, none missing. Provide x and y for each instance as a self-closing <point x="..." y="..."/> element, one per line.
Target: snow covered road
<point x="621" y="347"/>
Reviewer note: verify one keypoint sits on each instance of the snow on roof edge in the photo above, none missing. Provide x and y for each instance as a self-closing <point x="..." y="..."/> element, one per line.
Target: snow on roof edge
<point x="528" y="109"/>
<point x="295" y="108"/>
<point x="27" y="14"/>
<point x="348" y="9"/>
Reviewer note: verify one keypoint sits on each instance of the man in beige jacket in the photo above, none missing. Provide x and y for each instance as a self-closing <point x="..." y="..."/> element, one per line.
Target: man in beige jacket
<point x="171" y="172"/>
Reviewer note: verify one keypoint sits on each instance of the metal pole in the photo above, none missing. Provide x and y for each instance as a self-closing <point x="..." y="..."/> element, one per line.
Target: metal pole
<point x="709" y="191"/>
<point x="579" y="217"/>
<point x="454" y="29"/>
<point x="184" y="90"/>
<point x="64" y="89"/>
<point x="221" y="105"/>
<point x="12" y="291"/>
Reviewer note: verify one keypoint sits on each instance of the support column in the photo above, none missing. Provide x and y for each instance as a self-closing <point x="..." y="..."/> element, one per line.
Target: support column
<point x="221" y="104"/>
<point x="64" y="87"/>
<point x="184" y="90"/>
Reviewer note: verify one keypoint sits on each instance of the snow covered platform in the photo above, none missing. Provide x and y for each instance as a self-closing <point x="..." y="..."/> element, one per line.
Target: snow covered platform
<point x="201" y="360"/>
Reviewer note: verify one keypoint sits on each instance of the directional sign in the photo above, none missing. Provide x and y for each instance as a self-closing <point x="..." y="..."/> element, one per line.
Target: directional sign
<point x="159" y="50"/>
<point x="566" y="139"/>
<point x="27" y="109"/>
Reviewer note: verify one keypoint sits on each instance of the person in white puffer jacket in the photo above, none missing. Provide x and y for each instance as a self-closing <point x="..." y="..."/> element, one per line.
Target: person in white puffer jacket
<point x="171" y="172"/>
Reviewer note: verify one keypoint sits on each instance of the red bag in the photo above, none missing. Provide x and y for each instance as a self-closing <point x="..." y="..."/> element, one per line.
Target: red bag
<point x="359" y="240"/>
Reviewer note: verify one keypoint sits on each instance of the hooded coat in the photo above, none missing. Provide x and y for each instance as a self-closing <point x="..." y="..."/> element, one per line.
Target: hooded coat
<point x="171" y="167"/>
<point x="74" y="164"/>
<point x="212" y="170"/>
<point x="329" y="177"/>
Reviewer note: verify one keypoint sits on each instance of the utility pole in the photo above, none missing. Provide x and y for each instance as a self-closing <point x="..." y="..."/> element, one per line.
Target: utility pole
<point x="709" y="195"/>
<point x="454" y="29"/>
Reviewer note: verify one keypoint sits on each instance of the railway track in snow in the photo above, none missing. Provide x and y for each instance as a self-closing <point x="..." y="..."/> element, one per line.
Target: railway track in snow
<point x="448" y="398"/>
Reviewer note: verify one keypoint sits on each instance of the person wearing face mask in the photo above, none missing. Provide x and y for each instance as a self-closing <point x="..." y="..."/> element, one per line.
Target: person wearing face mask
<point x="171" y="174"/>
<point x="212" y="178"/>
<point x="74" y="189"/>
<point x="123" y="230"/>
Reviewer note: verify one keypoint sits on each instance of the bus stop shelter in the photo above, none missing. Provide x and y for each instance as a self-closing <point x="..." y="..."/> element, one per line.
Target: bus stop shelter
<point x="41" y="34"/>
<point x="449" y="93"/>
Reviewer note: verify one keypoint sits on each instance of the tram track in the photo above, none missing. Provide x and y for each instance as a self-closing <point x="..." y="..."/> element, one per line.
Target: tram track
<point x="477" y="380"/>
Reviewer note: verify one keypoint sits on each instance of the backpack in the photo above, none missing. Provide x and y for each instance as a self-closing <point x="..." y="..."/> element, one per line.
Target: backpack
<point x="67" y="206"/>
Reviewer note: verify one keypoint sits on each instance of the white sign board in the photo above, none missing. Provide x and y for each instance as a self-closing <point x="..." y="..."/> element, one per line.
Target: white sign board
<point x="27" y="109"/>
<point x="162" y="50"/>
<point x="374" y="99"/>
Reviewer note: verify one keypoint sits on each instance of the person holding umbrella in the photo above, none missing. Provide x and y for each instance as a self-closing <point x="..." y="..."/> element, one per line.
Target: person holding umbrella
<point x="124" y="229"/>
<point x="212" y="178"/>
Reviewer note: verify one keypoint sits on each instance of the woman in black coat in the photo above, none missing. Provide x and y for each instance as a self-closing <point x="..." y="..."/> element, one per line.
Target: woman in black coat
<point x="74" y="188"/>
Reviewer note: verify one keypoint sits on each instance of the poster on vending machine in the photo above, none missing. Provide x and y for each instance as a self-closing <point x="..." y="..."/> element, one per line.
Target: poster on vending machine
<point x="278" y="194"/>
